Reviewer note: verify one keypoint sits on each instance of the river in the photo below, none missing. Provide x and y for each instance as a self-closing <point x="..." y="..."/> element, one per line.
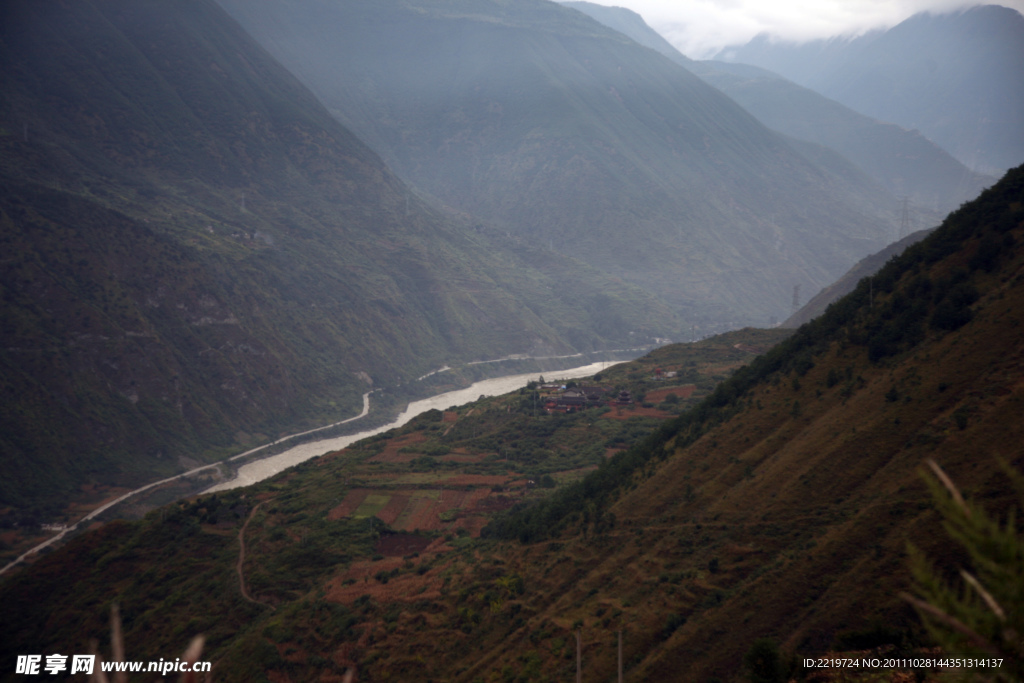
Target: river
<point x="267" y="467"/>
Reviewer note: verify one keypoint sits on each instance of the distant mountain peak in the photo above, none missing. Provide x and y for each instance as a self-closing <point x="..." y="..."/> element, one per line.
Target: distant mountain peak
<point x="953" y="76"/>
<point x="578" y="138"/>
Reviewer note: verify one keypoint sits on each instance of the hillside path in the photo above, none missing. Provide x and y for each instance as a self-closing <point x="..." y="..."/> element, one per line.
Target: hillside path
<point x="103" y="508"/>
<point x="241" y="557"/>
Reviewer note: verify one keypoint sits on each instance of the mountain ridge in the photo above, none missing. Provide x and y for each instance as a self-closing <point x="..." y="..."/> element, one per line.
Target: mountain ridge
<point x="285" y="263"/>
<point x="576" y="139"/>
<point x="866" y="267"/>
<point x="951" y="76"/>
<point x="902" y="161"/>
<point x="778" y="507"/>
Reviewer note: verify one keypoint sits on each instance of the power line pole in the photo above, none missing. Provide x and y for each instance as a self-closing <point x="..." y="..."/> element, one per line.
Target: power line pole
<point x="579" y="659"/>
<point x="905" y="218"/>
<point x="620" y="655"/>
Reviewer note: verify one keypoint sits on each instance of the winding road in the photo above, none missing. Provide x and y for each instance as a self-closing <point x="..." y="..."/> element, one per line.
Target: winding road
<point x="241" y="558"/>
<point x="103" y="508"/>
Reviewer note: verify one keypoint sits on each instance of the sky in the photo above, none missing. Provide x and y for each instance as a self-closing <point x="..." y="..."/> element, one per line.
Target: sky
<point x="700" y="28"/>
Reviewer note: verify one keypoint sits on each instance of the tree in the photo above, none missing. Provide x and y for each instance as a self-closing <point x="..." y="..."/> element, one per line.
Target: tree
<point x="984" y="616"/>
<point x="763" y="662"/>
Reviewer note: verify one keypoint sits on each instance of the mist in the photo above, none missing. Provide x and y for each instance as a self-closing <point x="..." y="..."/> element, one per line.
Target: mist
<point x="702" y="28"/>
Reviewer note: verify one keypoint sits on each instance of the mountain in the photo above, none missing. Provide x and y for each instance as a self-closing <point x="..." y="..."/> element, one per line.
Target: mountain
<point x="775" y="510"/>
<point x="198" y="257"/>
<point x="781" y="507"/>
<point x="629" y="23"/>
<point x="903" y="161"/>
<point x="866" y="267"/>
<point x="955" y="77"/>
<point x="571" y="137"/>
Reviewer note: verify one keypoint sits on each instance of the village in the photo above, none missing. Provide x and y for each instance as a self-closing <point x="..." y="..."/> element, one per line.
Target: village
<point x="571" y="397"/>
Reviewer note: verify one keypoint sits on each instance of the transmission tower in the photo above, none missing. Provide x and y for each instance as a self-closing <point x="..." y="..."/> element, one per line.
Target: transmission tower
<point x="796" y="298"/>
<point x="904" y="219"/>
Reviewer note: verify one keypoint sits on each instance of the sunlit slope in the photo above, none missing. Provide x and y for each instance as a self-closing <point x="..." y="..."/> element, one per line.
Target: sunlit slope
<point x="198" y="257"/>
<point x="574" y="138"/>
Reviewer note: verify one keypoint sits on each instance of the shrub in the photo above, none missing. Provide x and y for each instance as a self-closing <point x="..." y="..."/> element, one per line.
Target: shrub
<point x="672" y="624"/>
<point x="763" y="662"/>
<point x="985" y="615"/>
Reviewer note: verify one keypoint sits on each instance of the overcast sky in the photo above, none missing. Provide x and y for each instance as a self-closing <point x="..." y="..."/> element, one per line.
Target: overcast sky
<point x="699" y="28"/>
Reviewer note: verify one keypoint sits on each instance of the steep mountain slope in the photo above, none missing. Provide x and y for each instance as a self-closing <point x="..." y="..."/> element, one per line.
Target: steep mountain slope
<point x="480" y="454"/>
<point x="629" y="23"/>
<point x="866" y="267"/>
<point x="955" y="77"/>
<point x="572" y="137"/>
<point x="197" y="255"/>
<point x="778" y="507"/>
<point x="902" y="161"/>
<point x="781" y="507"/>
<point x="905" y="162"/>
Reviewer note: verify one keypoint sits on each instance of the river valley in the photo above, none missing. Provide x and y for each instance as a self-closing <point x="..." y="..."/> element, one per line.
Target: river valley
<point x="259" y="470"/>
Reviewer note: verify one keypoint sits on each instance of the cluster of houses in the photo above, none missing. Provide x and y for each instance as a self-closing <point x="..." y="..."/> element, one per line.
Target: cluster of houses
<point x="568" y="400"/>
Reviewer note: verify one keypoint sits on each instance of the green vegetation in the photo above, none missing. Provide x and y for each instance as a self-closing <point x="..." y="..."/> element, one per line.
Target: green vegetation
<point x="885" y="314"/>
<point x="200" y="259"/>
<point x="174" y="572"/>
<point x="764" y="512"/>
<point x="763" y="663"/>
<point x="984" y="617"/>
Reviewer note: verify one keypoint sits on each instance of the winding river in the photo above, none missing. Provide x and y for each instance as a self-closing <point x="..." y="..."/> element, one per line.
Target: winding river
<point x="267" y="467"/>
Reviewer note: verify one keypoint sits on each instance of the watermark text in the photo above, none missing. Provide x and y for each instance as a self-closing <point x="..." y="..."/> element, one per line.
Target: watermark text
<point x="34" y="665"/>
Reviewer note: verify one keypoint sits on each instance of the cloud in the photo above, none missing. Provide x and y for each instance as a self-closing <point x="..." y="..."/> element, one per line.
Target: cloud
<point x="700" y="28"/>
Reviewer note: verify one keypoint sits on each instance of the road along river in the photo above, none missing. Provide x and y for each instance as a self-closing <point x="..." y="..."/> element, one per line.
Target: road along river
<point x="259" y="470"/>
<point x="268" y="467"/>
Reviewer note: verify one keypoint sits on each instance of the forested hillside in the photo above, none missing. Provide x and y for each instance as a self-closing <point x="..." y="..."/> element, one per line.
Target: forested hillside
<point x="775" y="512"/>
<point x="781" y="506"/>
<point x="198" y="257"/>
<point x="865" y="268"/>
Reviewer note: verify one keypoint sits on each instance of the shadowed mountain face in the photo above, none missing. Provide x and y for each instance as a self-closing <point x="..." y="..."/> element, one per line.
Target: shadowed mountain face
<point x="570" y="136"/>
<point x="198" y="256"/>
<point x="903" y="161"/>
<point x="954" y="77"/>
<point x="778" y="507"/>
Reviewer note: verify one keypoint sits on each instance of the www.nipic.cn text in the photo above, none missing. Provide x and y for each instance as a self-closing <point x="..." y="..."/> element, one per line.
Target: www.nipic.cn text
<point x="84" y="664"/>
